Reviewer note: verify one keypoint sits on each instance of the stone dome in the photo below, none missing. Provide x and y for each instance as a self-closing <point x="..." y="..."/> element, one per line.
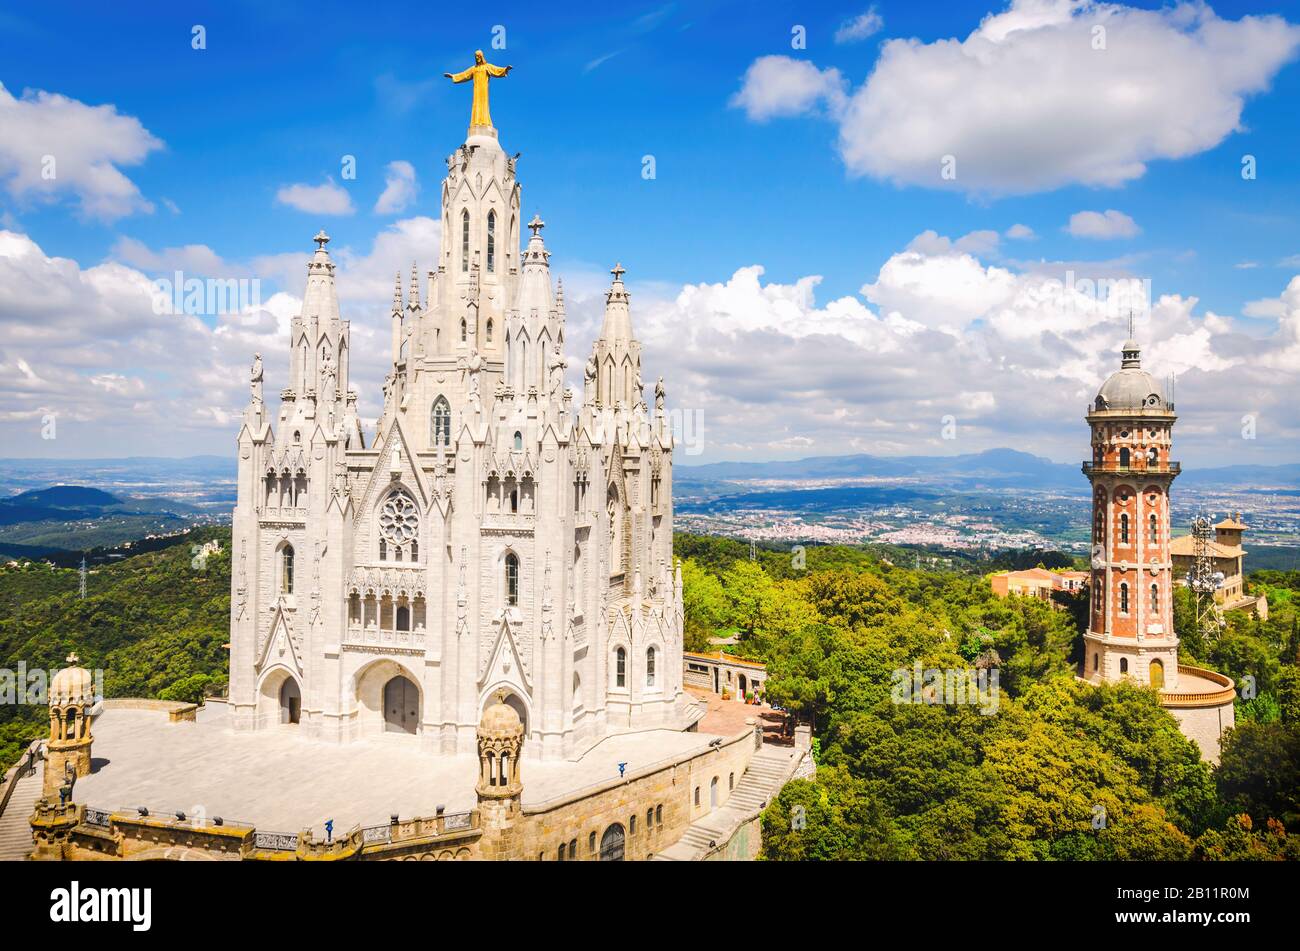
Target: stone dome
<point x="72" y="684"/>
<point x="500" y="721"/>
<point x="1131" y="387"/>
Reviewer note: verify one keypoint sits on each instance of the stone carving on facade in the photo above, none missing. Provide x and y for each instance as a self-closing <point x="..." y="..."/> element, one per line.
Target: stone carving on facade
<point x="555" y="365"/>
<point x="255" y="378"/>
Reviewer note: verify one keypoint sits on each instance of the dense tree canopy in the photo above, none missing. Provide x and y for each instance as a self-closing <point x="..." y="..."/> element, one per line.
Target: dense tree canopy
<point x="1047" y="768"/>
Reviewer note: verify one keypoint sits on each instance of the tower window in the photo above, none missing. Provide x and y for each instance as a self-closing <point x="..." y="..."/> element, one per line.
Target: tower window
<point x="489" y="330"/>
<point x="1155" y="599"/>
<point x="464" y="241"/>
<point x="1155" y="531"/>
<point x="1123" y="597"/>
<point x="492" y="241"/>
<point x="464" y="330"/>
<point x="1124" y="458"/>
<point x="441" y="422"/>
<point x="1123" y="665"/>
<point x="1123" y="528"/>
<point x="286" y="570"/>
<point x="620" y="668"/>
<point x="512" y="579"/>
<point x="650" y="667"/>
<point x="519" y="441"/>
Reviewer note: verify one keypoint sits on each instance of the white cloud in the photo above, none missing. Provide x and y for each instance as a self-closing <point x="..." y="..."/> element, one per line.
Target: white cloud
<point x="400" y="188"/>
<point x="326" y="199"/>
<point x="51" y="145"/>
<point x="1027" y="103"/>
<point x="860" y="27"/>
<point x="937" y="330"/>
<point x="1102" y="225"/>
<point x="781" y="86"/>
<point x="1020" y="232"/>
<point x="87" y="345"/>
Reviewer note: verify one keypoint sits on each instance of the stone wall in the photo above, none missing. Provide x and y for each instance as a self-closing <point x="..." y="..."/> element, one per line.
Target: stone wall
<point x="584" y="816"/>
<point x="1205" y="726"/>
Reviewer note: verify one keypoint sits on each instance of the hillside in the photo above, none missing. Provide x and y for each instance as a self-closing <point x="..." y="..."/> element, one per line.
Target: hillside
<point x="154" y="623"/>
<point x="70" y="519"/>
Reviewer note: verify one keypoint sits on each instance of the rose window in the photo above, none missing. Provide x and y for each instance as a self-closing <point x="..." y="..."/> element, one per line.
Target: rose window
<point x="399" y="520"/>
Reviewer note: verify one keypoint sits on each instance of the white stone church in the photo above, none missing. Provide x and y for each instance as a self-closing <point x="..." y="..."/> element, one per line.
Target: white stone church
<point x="491" y="536"/>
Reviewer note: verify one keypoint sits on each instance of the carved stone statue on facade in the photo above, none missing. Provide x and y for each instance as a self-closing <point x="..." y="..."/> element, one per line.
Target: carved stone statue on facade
<point x="589" y="381"/>
<point x="255" y="378"/>
<point x="329" y="380"/>
<point x="473" y="367"/>
<point x="555" y="365"/>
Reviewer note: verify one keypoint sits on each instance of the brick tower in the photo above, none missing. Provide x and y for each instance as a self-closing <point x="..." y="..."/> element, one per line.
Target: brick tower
<point x="1130" y="630"/>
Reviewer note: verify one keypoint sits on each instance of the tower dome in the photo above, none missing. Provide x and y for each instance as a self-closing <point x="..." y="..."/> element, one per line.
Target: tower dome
<point x="72" y="684"/>
<point x="500" y="720"/>
<point x="1131" y="387"/>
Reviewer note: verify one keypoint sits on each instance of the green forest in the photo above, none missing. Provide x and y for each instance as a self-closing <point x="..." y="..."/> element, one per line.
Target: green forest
<point x="1060" y="770"/>
<point x="154" y="623"/>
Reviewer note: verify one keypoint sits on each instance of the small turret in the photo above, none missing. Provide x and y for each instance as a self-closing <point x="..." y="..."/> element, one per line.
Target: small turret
<point x="72" y="697"/>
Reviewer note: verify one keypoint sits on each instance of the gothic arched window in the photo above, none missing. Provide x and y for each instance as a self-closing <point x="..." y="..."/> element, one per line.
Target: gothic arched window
<point x="464" y="241"/>
<point x="519" y="442"/>
<point x="1123" y="597"/>
<point x="512" y="578"/>
<point x="620" y="668"/>
<point x="1123" y="528"/>
<point x="489" y="330"/>
<point x="399" y="525"/>
<point x="492" y="241"/>
<point x="441" y="417"/>
<point x="650" y="667"/>
<point x="464" y="330"/>
<point x="286" y="570"/>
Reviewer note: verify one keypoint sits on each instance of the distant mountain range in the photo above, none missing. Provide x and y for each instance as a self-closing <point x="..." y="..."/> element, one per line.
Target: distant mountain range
<point x="993" y="469"/>
<point x="63" y="519"/>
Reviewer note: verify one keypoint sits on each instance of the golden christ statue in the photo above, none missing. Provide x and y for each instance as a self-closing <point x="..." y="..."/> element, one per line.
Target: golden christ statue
<point x="480" y="72"/>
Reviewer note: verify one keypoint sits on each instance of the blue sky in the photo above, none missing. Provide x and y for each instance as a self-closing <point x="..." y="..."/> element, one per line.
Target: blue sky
<point x="281" y="94"/>
<point x="283" y="91"/>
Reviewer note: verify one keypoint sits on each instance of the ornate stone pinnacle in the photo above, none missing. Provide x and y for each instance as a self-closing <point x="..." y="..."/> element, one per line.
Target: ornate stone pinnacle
<point x="536" y="225"/>
<point x="321" y="239"/>
<point x="618" y="271"/>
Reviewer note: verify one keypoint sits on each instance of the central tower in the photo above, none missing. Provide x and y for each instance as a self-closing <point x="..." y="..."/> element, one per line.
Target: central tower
<point x="1130" y="630"/>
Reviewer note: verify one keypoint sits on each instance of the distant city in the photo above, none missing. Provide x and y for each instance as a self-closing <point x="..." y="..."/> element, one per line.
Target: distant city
<point x="982" y="503"/>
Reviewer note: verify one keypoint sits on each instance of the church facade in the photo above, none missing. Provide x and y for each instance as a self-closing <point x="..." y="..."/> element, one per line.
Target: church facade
<point x="493" y="537"/>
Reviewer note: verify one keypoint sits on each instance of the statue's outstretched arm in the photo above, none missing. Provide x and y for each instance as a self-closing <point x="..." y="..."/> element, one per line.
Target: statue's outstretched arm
<point x="461" y="77"/>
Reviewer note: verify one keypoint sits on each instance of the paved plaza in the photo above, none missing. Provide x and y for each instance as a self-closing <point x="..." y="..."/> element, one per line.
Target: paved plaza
<point x="281" y="780"/>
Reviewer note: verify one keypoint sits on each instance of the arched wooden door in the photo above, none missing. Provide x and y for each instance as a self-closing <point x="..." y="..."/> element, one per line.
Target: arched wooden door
<point x="401" y="706"/>
<point x="1157" y="674"/>
<point x="611" y="844"/>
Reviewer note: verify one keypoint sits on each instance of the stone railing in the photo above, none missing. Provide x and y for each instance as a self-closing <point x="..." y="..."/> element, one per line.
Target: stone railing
<point x="383" y="638"/>
<point x="125" y="833"/>
<point x="1206" y="698"/>
<point x="176" y="710"/>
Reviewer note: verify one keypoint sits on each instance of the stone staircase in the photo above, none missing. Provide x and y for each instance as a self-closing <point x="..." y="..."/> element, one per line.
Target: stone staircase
<point x="769" y="770"/>
<point x="15" y="821"/>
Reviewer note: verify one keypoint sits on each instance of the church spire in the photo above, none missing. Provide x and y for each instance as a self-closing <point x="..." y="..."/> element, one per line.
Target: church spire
<point x="617" y="327"/>
<point x="415" y="288"/>
<point x="321" y="299"/>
